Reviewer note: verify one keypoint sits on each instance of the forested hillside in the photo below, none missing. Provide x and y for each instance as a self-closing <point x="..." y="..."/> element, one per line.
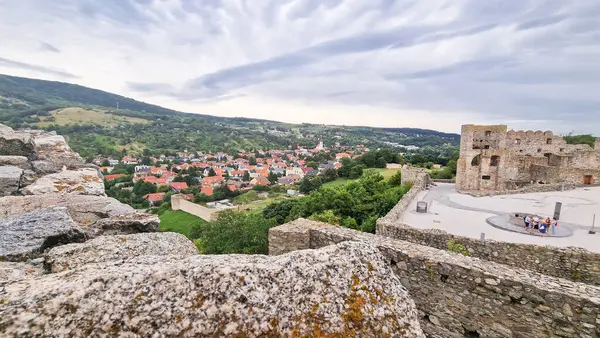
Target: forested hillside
<point x="95" y="126"/>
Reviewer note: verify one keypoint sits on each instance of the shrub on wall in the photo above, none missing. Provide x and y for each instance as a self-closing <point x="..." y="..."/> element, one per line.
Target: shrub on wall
<point x="458" y="248"/>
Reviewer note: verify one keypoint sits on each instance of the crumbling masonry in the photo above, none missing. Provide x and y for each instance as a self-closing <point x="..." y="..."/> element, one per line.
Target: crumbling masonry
<point x="492" y="159"/>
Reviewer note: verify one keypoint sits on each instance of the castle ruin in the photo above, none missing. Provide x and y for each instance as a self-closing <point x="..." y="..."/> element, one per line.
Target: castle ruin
<point x="492" y="159"/>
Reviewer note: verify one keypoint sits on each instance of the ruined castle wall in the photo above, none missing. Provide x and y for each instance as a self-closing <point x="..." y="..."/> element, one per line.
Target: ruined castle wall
<point x="520" y="158"/>
<point x="570" y="263"/>
<point x="534" y="143"/>
<point x="478" y="144"/>
<point x="419" y="181"/>
<point x="461" y="296"/>
<point x="179" y="203"/>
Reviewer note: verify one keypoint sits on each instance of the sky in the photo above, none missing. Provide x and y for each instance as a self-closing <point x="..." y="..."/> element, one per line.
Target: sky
<point x="436" y="64"/>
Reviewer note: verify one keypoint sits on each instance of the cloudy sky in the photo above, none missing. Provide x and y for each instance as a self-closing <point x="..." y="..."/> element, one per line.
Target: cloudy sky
<point x="532" y="64"/>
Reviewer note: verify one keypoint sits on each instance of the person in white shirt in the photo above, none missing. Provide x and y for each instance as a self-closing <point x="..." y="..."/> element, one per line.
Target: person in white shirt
<point x="553" y="225"/>
<point x="536" y="222"/>
<point x="527" y="222"/>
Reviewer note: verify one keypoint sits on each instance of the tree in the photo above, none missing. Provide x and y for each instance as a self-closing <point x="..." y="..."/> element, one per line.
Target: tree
<point x="234" y="232"/>
<point x="310" y="183"/>
<point x="252" y="161"/>
<point x="330" y="175"/>
<point x="356" y="171"/>
<point x="396" y="179"/>
<point x="212" y="172"/>
<point x="105" y="163"/>
<point x="246" y="176"/>
<point x="272" y="178"/>
<point x="279" y="211"/>
<point x="141" y="188"/>
<point x="312" y="164"/>
<point x="163" y="188"/>
<point x="327" y="216"/>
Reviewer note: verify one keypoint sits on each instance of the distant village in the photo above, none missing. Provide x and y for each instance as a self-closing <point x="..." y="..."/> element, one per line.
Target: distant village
<point x="239" y="173"/>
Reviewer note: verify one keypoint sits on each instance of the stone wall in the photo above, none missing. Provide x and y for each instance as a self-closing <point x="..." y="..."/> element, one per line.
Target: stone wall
<point x="179" y="203"/>
<point x="443" y="180"/>
<point x="419" y="180"/>
<point x="571" y="263"/>
<point x="532" y="188"/>
<point x="460" y="296"/>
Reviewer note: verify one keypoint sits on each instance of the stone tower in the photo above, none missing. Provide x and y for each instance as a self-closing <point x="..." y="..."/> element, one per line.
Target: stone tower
<point x="481" y="151"/>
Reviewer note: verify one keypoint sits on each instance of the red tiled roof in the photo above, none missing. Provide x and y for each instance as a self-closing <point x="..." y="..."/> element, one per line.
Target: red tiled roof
<point x="113" y="177"/>
<point x="188" y="197"/>
<point x="156" y="197"/>
<point x="263" y="172"/>
<point x="207" y="190"/>
<point x="232" y="187"/>
<point x="150" y="179"/>
<point x="261" y="181"/>
<point x="212" y="179"/>
<point x="178" y="185"/>
<point x="307" y="169"/>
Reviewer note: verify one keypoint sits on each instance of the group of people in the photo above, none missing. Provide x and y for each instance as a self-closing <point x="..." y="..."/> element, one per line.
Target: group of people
<point x="534" y="223"/>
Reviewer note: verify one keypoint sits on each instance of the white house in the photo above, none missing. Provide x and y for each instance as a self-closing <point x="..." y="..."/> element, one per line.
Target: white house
<point x="294" y="171"/>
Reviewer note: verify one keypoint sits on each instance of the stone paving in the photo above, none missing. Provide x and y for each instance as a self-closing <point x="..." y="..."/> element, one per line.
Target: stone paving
<point x="466" y="215"/>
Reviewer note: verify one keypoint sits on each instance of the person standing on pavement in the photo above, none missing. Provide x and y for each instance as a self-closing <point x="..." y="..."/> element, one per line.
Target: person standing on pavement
<point x="553" y="225"/>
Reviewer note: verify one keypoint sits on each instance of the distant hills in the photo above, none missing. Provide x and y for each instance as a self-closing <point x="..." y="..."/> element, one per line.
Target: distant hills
<point x="95" y="126"/>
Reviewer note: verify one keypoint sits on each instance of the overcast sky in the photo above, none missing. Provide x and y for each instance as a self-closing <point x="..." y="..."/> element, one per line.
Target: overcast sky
<point x="531" y="64"/>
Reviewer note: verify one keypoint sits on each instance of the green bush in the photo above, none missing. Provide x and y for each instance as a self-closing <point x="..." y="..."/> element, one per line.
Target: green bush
<point x="458" y="248"/>
<point x="234" y="232"/>
<point x="326" y="216"/>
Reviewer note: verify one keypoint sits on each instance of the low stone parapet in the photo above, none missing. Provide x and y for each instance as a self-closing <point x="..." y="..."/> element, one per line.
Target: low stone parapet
<point x="464" y="296"/>
<point x="571" y="263"/>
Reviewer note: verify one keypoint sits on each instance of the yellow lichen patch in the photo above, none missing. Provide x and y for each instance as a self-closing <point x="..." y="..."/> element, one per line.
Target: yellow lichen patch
<point x="79" y="188"/>
<point x="242" y="279"/>
<point x="30" y="270"/>
<point x="198" y="301"/>
<point x="370" y="266"/>
<point x="140" y="297"/>
<point x="122" y="239"/>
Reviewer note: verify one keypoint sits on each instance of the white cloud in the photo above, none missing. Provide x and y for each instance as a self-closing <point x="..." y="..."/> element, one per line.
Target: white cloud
<point x="433" y="64"/>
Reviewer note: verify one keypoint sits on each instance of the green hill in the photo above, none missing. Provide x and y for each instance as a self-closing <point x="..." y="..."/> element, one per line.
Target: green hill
<point x="95" y="126"/>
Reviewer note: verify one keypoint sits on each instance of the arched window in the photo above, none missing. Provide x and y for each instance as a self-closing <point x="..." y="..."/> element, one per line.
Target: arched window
<point x="476" y="160"/>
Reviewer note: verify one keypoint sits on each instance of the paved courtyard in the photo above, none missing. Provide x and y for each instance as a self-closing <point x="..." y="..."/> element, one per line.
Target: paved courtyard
<point x="465" y="215"/>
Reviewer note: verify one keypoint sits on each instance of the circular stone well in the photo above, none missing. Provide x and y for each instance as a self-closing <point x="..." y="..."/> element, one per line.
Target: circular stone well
<point x="514" y="223"/>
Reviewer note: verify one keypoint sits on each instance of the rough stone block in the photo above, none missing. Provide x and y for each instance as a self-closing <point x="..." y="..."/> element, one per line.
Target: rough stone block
<point x="10" y="180"/>
<point x="27" y="236"/>
<point x="119" y="249"/>
<point x="84" y="209"/>
<point x="83" y="181"/>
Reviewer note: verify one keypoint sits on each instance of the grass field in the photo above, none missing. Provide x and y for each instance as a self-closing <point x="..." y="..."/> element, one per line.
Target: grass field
<point x="386" y="173"/>
<point x="178" y="221"/>
<point x="338" y="182"/>
<point x="74" y="115"/>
